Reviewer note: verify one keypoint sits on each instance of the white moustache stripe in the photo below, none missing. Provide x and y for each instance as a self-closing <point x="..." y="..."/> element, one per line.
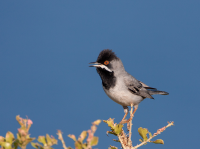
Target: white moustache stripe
<point x="105" y="67"/>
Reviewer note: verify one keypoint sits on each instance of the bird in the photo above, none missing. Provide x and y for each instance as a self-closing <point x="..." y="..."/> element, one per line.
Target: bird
<point x="119" y="85"/>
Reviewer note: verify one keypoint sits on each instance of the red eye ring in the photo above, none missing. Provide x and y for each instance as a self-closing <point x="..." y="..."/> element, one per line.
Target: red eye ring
<point x="106" y="62"/>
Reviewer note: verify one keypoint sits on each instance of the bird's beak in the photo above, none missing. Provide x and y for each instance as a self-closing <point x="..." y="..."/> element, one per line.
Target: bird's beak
<point x="96" y="64"/>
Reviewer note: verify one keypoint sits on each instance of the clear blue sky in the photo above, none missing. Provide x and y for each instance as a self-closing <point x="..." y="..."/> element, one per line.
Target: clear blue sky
<point x="45" y="48"/>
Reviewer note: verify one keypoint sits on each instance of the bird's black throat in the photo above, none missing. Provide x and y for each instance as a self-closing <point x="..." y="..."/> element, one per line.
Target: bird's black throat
<point x="108" y="78"/>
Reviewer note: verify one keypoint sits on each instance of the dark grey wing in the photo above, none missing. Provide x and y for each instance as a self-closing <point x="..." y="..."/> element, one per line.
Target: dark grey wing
<point x="146" y="86"/>
<point x="136" y="87"/>
<point x="152" y="90"/>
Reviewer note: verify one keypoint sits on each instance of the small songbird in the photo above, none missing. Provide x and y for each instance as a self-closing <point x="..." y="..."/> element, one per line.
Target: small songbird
<point x="119" y="85"/>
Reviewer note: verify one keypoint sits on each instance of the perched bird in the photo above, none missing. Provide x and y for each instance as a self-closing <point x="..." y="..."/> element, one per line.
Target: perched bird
<point x="119" y="85"/>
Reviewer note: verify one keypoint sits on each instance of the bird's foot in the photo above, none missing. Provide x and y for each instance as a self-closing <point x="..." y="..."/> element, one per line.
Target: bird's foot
<point x="124" y="121"/>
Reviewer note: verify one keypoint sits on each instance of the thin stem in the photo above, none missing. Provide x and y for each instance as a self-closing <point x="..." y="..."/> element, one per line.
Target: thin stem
<point x="60" y="137"/>
<point x="130" y="126"/>
<point x="123" y="146"/>
<point x="155" y="134"/>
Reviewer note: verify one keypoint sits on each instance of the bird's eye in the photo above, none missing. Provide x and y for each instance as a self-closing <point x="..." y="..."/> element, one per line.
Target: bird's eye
<point x="106" y="62"/>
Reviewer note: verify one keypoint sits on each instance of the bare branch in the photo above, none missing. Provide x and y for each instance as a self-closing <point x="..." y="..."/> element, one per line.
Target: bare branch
<point x="60" y="137"/>
<point x="155" y="134"/>
<point x="130" y="126"/>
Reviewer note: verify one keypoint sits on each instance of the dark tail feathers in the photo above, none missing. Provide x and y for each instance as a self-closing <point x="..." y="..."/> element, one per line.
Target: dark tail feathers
<point x="158" y="92"/>
<point x="153" y="91"/>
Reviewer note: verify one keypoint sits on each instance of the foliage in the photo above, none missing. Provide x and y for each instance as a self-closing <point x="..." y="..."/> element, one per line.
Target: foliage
<point x="125" y="139"/>
<point x="91" y="139"/>
<point x="46" y="142"/>
<point x="86" y="139"/>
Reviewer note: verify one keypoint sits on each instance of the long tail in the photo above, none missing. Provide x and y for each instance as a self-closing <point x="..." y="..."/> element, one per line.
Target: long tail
<point x="153" y="91"/>
<point x="158" y="92"/>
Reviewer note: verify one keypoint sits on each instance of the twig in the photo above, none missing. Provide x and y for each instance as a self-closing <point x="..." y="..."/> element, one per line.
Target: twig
<point x="60" y="137"/>
<point x="155" y="134"/>
<point x="130" y="127"/>
<point x="121" y="141"/>
<point x="124" y="140"/>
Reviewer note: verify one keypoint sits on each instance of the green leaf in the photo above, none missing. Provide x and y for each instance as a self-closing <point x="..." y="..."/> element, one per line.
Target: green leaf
<point x="48" y="138"/>
<point x="111" y="132"/>
<point x="16" y="144"/>
<point x="78" y="145"/>
<point x="158" y="141"/>
<point x="6" y="145"/>
<point x="9" y="137"/>
<point x="93" y="128"/>
<point x="29" y="140"/>
<point x="150" y="135"/>
<point x="112" y="147"/>
<point x="94" y="141"/>
<point x="54" y="141"/>
<point x="72" y="137"/>
<point x="34" y="145"/>
<point x="84" y="145"/>
<point x="19" y="119"/>
<point x="83" y="135"/>
<point x="116" y="140"/>
<point x="118" y="128"/>
<point x="143" y="133"/>
<point x="110" y="123"/>
<point x="42" y="140"/>
<point x="97" y="122"/>
<point x="18" y="136"/>
<point x="37" y="145"/>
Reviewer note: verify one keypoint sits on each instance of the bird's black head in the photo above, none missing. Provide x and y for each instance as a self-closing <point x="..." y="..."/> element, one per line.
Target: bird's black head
<point x="104" y="67"/>
<point x="104" y="60"/>
<point x="106" y="55"/>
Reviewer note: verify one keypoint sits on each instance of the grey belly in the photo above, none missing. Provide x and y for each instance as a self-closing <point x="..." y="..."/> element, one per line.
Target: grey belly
<point x="123" y="97"/>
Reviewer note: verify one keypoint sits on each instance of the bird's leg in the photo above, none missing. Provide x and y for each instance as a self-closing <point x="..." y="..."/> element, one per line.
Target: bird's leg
<point x="126" y="112"/>
<point x="123" y="119"/>
<point x="132" y="114"/>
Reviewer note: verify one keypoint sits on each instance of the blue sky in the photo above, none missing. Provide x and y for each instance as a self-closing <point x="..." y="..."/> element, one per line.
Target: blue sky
<point x="45" y="48"/>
